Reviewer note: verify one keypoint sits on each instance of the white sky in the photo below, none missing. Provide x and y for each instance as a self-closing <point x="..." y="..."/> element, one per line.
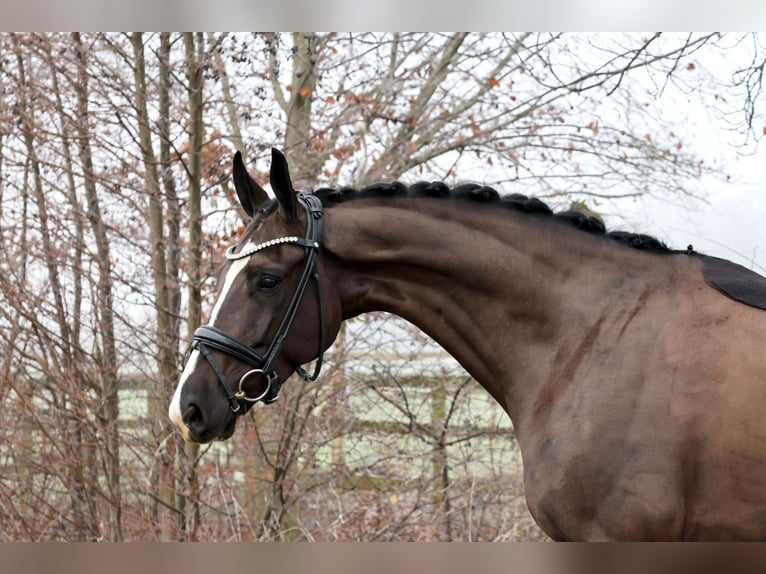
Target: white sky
<point x="729" y="225"/>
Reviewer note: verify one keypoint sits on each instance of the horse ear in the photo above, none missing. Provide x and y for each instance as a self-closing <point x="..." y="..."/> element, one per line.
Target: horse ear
<point x="249" y="192"/>
<point x="282" y="186"/>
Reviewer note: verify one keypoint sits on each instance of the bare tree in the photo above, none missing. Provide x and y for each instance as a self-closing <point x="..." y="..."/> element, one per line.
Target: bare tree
<point x="105" y="299"/>
<point x="48" y="344"/>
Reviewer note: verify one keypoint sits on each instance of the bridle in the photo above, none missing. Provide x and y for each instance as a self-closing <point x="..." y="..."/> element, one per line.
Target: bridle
<point x="208" y="337"/>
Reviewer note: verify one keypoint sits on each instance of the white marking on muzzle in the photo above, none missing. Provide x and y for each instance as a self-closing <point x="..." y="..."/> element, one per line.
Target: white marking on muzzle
<point x="174" y="411"/>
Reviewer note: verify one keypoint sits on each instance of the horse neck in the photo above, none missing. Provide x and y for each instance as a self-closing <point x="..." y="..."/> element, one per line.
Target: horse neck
<point x="495" y="288"/>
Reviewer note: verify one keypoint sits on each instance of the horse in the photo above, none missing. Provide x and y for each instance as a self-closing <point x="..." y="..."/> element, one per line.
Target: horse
<point x="634" y="374"/>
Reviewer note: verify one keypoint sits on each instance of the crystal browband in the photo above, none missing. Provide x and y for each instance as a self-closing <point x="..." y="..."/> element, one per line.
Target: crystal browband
<point x="271" y="243"/>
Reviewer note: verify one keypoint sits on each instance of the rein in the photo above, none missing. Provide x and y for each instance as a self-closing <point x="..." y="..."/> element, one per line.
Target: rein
<point x="208" y="336"/>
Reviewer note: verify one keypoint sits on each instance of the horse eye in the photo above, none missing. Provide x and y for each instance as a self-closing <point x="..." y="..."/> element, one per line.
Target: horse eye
<point x="268" y="282"/>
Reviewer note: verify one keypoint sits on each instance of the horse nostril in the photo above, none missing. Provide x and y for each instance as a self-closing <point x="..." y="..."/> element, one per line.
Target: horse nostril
<point x="193" y="416"/>
<point x="197" y="424"/>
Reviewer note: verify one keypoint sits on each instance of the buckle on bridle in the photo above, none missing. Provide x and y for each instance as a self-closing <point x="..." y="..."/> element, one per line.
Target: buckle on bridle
<point x="271" y="383"/>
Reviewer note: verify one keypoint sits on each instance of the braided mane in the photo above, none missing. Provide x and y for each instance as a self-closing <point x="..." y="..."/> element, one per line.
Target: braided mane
<point x="487" y="195"/>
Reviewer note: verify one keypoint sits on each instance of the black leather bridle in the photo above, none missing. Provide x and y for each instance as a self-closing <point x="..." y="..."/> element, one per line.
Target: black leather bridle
<point x="208" y="337"/>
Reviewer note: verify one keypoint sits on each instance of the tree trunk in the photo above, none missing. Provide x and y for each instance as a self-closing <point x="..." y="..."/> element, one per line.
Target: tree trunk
<point x="171" y="197"/>
<point x="82" y="504"/>
<point x="165" y="487"/>
<point x="306" y="51"/>
<point x="109" y="382"/>
<point x="194" y="46"/>
<point x="440" y="461"/>
<point x="231" y="106"/>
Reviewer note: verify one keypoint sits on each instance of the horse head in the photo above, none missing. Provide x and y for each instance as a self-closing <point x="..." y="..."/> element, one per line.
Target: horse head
<point x="275" y="310"/>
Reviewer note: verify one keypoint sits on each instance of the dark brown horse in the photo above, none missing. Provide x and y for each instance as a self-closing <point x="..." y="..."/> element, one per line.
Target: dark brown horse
<point x="637" y="390"/>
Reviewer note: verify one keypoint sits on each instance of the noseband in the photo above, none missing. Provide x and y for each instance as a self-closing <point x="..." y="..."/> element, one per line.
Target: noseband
<point x="208" y="337"/>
